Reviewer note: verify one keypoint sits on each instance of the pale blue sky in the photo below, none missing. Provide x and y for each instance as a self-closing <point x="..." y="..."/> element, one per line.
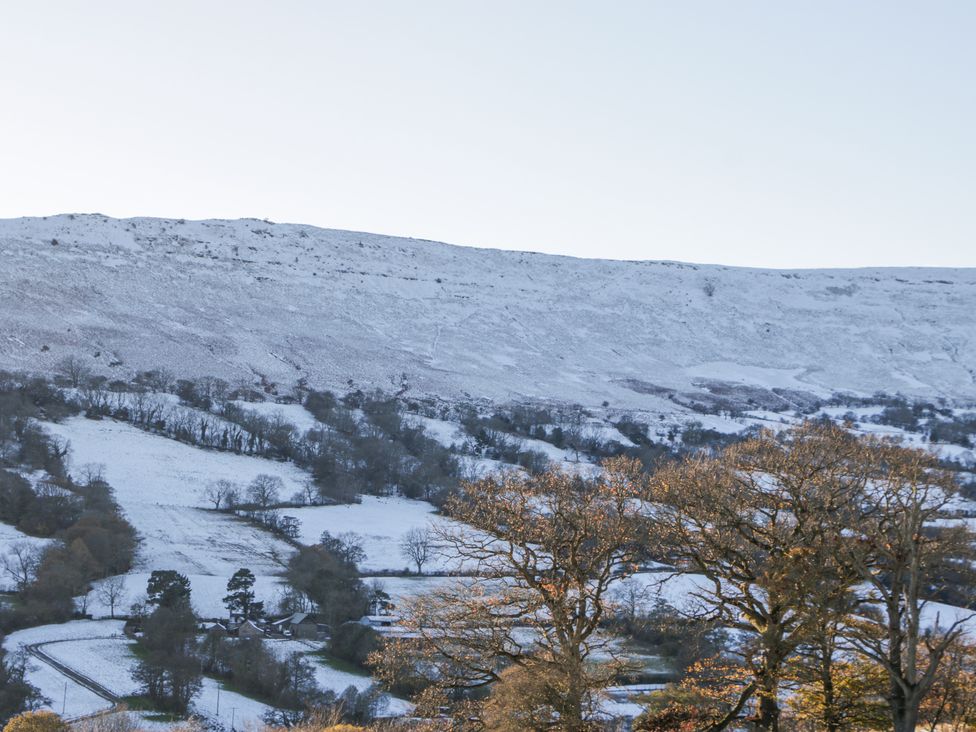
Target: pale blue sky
<point x="750" y="133"/>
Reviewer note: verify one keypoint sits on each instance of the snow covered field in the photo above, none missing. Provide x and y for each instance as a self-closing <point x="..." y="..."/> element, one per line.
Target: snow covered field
<point x="73" y="630"/>
<point x="62" y="692"/>
<point x="152" y="475"/>
<point x="380" y="523"/>
<point x="108" y="660"/>
<point x="158" y="481"/>
<point x="402" y="588"/>
<point x="83" y="647"/>
<point x="228" y="707"/>
<point x="99" y="650"/>
<point x="336" y="680"/>
<point x="64" y="696"/>
<point x="446" y="433"/>
<point x="147" y="468"/>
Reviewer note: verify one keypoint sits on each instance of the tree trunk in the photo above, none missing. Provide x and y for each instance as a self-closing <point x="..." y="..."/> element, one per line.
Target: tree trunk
<point x="904" y="710"/>
<point x="571" y="715"/>
<point x="830" y="721"/>
<point x="767" y="713"/>
<point x="767" y="716"/>
<point x="831" y="716"/>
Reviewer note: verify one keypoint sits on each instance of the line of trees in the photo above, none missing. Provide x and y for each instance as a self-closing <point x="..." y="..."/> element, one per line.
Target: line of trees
<point x="821" y="551"/>
<point x="365" y="443"/>
<point x="92" y="538"/>
<point x="822" y="546"/>
<point x="96" y="543"/>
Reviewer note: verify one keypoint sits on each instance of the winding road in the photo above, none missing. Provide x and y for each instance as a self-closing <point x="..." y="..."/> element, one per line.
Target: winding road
<point x="37" y="651"/>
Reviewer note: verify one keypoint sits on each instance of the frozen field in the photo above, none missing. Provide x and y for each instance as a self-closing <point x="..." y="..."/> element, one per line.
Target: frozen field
<point x="10" y="535"/>
<point x="61" y="691"/>
<point x="73" y="630"/>
<point x="148" y="468"/>
<point x="195" y="541"/>
<point x="64" y="696"/>
<point x="379" y="522"/>
<point x="446" y="433"/>
<point x="234" y="709"/>
<point x="402" y="588"/>
<point x="157" y="482"/>
<point x="108" y="660"/>
<point x="326" y="676"/>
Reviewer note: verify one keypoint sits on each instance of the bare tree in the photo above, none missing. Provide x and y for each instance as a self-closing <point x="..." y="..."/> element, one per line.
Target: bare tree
<point x="265" y="491"/>
<point x="92" y="473"/>
<point x="145" y="408"/>
<point x="112" y="592"/>
<point x="220" y="493"/>
<point x="213" y="388"/>
<point x="158" y="380"/>
<point x="760" y="523"/>
<point x="903" y="557"/>
<point x="308" y="494"/>
<point x="416" y="546"/>
<point x="631" y="598"/>
<point x="74" y="371"/>
<point x="20" y="562"/>
<point x="82" y="601"/>
<point x="546" y="549"/>
<point x="573" y="429"/>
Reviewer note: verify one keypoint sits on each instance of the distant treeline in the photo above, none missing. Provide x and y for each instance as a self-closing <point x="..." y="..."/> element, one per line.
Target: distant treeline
<point x="369" y="442"/>
<point x="37" y="496"/>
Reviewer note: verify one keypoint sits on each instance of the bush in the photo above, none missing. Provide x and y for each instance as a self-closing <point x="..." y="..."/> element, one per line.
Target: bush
<point x="330" y="580"/>
<point x="37" y="722"/>
<point x="353" y="642"/>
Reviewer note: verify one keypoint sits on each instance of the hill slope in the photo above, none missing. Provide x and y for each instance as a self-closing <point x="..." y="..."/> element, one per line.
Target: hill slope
<point x="241" y="299"/>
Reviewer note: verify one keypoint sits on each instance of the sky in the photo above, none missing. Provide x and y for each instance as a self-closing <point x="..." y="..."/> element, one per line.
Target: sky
<point x="772" y="134"/>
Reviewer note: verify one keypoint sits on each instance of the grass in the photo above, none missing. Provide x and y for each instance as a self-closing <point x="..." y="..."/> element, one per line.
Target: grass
<point x="137" y="650"/>
<point x="337" y="663"/>
<point x="139" y="703"/>
<point x="228" y="685"/>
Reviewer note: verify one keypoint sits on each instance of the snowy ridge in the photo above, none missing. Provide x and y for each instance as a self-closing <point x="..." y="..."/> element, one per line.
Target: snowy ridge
<point x="245" y="299"/>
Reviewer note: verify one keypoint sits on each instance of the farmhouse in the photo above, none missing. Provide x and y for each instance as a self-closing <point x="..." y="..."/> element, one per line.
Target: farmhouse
<point x="250" y="629"/>
<point x="300" y="625"/>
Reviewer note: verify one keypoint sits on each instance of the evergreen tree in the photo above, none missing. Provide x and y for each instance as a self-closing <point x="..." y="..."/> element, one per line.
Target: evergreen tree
<point x="240" y="596"/>
<point x="16" y="694"/>
<point x="170" y="669"/>
<point x="168" y="588"/>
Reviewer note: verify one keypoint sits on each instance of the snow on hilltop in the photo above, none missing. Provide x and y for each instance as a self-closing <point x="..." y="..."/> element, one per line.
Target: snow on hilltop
<point x="239" y="299"/>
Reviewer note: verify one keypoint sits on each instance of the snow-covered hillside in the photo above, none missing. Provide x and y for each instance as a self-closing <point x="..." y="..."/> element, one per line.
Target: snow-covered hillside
<point x="243" y="299"/>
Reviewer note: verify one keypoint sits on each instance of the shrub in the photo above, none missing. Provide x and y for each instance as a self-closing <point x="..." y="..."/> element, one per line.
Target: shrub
<point x="37" y="722"/>
<point x="353" y="642"/>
